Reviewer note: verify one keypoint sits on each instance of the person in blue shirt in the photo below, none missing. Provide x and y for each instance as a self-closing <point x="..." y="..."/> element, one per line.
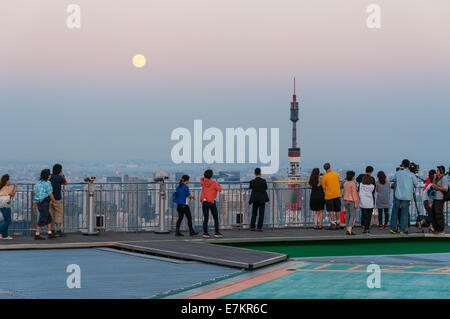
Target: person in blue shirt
<point x="179" y="197"/>
<point x="405" y="181"/>
<point x="43" y="195"/>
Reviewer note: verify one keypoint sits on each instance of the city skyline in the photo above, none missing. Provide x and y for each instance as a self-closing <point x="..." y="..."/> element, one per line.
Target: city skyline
<point x="364" y="95"/>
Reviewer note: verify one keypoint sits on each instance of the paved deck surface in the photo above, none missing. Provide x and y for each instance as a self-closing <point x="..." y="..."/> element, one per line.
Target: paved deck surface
<point x="104" y="273"/>
<point x="196" y="248"/>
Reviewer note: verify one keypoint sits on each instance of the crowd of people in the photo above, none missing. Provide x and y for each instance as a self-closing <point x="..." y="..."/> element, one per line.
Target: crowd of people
<point x="363" y="191"/>
<point x="369" y="194"/>
<point x="47" y="198"/>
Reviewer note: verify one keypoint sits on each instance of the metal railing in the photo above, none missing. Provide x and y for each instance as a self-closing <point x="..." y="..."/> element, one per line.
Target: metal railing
<point x="133" y="207"/>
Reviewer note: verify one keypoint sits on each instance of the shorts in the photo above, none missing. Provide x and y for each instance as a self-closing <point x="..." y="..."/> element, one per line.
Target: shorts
<point x="333" y="205"/>
<point x="44" y="214"/>
<point x="56" y="210"/>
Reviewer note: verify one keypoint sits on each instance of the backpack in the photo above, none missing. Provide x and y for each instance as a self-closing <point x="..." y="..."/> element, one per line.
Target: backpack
<point x="446" y="195"/>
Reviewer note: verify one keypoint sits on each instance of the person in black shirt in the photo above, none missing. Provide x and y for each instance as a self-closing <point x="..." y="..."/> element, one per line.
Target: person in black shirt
<point x="56" y="207"/>
<point x="258" y="199"/>
<point x="369" y="171"/>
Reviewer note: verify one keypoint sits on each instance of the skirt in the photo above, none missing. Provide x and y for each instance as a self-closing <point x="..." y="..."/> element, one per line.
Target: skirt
<point x="317" y="199"/>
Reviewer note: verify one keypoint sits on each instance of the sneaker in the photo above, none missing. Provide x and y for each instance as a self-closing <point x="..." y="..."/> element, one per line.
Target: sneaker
<point x="193" y="233"/>
<point x="252" y="229"/>
<point x="347" y="232"/>
<point x="178" y="234"/>
<point x="403" y="233"/>
<point x="38" y="237"/>
<point x="386" y="226"/>
<point x="206" y="235"/>
<point x="7" y="238"/>
<point x="50" y="236"/>
<point x="392" y="231"/>
<point x="218" y="235"/>
<point x="380" y="225"/>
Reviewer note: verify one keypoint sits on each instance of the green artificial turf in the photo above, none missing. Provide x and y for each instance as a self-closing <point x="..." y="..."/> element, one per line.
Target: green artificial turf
<point x="353" y="247"/>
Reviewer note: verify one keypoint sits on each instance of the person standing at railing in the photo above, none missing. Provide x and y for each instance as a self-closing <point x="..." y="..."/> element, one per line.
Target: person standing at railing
<point x="6" y="197"/>
<point x="179" y="197"/>
<point x="428" y="196"/>
<point x="366" y="202"/>
<point x="258" y="199"/>
<point x="331" y="184"/>
<point x="440" y="185"/>
<point x="351" y="200"/>
<point x="43" y="195"/>
<point x="208" y="196"/>
<point x="317" y="198"/>
<point x="405" y="182"/>
<point x="56" y="207"/>
<point x="383" y="189"/>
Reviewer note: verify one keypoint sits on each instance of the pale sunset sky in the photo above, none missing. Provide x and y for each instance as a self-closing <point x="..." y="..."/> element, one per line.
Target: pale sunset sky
<point x="380" y="94"/>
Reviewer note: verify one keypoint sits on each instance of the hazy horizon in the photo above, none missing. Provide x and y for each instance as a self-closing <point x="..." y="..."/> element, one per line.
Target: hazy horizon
<point x="364" y="94"/>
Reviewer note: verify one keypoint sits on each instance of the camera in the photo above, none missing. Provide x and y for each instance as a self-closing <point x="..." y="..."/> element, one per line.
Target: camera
<point x="414" y="168"/>
<point x="90" y="179"/>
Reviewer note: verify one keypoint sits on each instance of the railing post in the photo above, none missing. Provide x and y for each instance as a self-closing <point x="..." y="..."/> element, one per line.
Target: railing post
<point x="91" y="231"/>
<point x="162" y="209"/>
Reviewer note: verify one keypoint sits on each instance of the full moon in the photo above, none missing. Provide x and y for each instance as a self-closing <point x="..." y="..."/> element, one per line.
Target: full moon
<point x="139" y="60"/>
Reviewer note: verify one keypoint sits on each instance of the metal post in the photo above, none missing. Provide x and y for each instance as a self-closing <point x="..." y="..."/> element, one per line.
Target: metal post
<point x="91" y="231"/>
<point x="162" y="209"/>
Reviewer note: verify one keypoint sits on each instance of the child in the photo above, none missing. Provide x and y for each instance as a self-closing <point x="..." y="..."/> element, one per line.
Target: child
<point x="351" y="199"/>
<point x="180" y="195"/>
<point x="208" y="200"/>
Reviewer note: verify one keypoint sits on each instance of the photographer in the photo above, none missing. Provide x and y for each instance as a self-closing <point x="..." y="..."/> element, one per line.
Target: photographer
<point x="440" y="185"/>
<point x="404" y="190"/>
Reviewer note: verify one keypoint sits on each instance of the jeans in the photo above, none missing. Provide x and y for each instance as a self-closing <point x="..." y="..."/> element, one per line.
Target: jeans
<point x="261" y="207"/>
<point x="400" y="211"/>
<point x="6" y="212"/>
<point x="350" y="213"/>
<point x="366" y="217"/>
<point x="184" y="210"/>
<point x="207" y="206"/>
<point x="380" y="215"/>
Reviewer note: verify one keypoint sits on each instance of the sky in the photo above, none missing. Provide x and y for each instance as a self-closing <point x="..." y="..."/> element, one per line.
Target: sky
<point x="364" y="94"/>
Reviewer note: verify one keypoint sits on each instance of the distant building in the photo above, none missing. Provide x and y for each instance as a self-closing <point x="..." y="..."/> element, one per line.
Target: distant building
<point x="227" y="176"/>
<point x="136" y="200"/>
<point x="114" y="179"/>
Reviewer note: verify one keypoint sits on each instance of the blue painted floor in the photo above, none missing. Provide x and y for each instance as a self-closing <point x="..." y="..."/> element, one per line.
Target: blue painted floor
<point x="105" y="273"/>
<point x="410" y="259"/>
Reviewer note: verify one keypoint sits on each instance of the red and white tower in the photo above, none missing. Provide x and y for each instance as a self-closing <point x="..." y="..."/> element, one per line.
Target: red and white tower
<point x="294" y="151"/>
<point x="294" y="206"/>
